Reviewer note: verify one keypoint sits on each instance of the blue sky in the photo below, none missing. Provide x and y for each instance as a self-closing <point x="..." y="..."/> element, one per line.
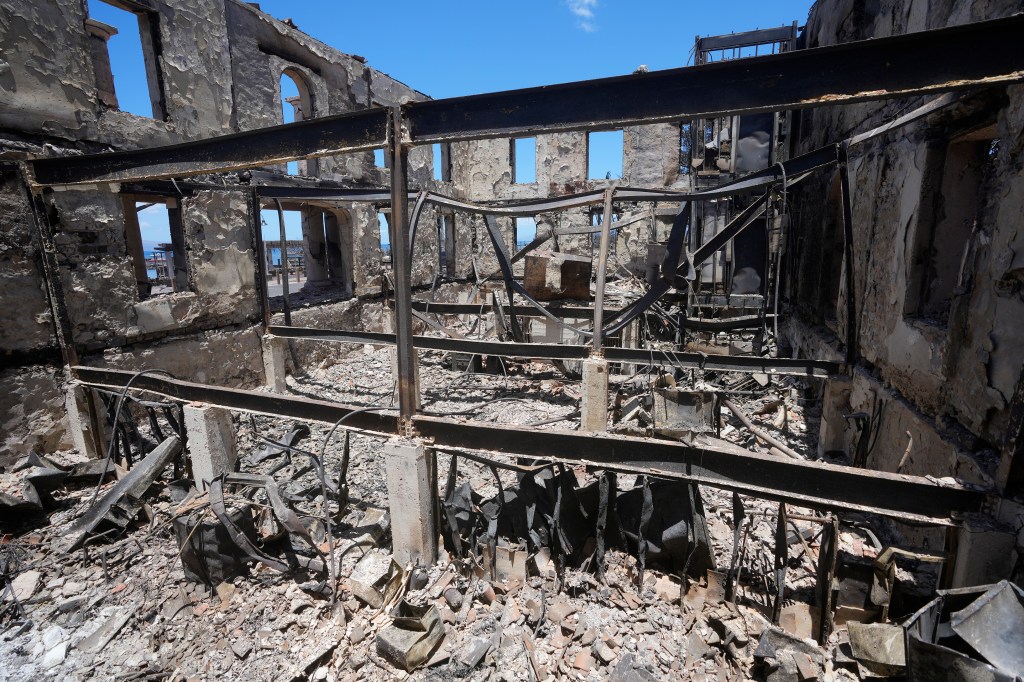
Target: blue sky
<point x="448" y="49"/>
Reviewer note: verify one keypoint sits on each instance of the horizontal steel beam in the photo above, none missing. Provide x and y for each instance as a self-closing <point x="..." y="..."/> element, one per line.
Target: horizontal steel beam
<point x="359" y="131"/>
<point x="554" y="351"/>
<point x="561" y="311"/>
<point x="881" y="68"/>
<point x="580" y="313"/>
<point x="930" y="61"/>
<point x="718" y="465"/>
<point x="746" y="38"/>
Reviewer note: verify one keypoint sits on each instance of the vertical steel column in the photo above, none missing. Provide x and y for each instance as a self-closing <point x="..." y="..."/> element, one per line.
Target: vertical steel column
<point x="51" y="273"/>
<point x="401" y="262"/>
<point x="284" y="265"/>
<point x="259" y="257"/>
<point x="851" y="300"/>
<point x="602" y="269"/>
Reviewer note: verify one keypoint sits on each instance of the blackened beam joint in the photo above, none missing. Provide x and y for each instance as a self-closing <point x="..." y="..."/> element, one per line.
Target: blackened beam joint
<point x="718" y="464"/>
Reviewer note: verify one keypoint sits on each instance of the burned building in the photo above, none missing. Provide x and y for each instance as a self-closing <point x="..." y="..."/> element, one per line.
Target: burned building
<point x="760" y="385"/>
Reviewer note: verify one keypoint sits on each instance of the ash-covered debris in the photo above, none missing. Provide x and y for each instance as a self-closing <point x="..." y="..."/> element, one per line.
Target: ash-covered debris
<point x="683" y="584"/>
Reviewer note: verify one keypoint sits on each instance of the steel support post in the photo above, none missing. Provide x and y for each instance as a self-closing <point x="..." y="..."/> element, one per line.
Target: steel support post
<point x="284" y="264"/>
<point x="401" y="263"/>
<point x="851" y="299"/>
<point x="260" y="256"/>
<point x="602" y="270"/>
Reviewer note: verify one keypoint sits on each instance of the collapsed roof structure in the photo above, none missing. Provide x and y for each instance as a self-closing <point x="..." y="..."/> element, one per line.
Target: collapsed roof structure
<point x="831" y="220"/>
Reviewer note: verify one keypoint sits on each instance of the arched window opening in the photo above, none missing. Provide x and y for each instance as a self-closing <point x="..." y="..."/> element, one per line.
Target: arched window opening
<point x="297" y="105"/>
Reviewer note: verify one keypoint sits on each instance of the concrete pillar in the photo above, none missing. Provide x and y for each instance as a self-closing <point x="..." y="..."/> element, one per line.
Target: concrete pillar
<point x="211" y="442"/>
<point x="99" y="34"/>
<point x="275" y="363"/>
<point x="87" y="424"/>
<point x="595" y="395"/>
<point x="411" y="494"/>
<point x="985" y="551"/>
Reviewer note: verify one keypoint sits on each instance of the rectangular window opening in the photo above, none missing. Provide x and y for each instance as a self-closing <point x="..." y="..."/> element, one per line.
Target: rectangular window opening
<point x="124" y="44"/>
<point x="385" y="236"/>
<point x="524" y="160"/>
<point x="949" y="213"/>
<point x="156" y="242"/>
<point x="378" y="158"/>
<point x="446" y="243"/>
<point x="294" y="255"/>
<point x="525" y="231"/>
<point x="604" y="155"/>
<point x="442" y="162"/>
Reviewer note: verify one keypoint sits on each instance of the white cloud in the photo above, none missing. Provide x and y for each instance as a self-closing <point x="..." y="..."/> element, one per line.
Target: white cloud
<point x="584" y="11"/>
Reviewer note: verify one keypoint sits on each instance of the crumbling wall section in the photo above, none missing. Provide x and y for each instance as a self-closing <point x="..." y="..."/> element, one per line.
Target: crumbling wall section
<point x="956" y="373"/>
<point x="228" y="357"/>
<point x="26" y="323"/>
<point x="32" y="417"/>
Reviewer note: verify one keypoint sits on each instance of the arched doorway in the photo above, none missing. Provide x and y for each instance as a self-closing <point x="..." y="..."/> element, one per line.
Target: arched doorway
<point x="327" y="237"/>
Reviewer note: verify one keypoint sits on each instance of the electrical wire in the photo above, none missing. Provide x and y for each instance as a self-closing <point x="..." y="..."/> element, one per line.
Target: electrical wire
<point x="113" y="433"/>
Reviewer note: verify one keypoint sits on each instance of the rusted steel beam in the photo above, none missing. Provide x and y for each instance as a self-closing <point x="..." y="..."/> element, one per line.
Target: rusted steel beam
<point x="360" y="131"/>
<point x="947" y="59"/>
<point x="718" y="464"/>
<point x="555" y="351"/>
<point x="882" y="68"/>
<point x="565" y="311"/>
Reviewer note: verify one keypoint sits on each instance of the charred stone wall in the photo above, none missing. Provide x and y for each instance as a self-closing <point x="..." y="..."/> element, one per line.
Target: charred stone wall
<point x="215" y="68"/>
<point x="937" y="232"/>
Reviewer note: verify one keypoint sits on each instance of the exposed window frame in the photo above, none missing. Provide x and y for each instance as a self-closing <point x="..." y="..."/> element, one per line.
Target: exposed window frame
<point x="514" y="161"/>
<point x="152" y="48"/>
<point x="182" y="281"/>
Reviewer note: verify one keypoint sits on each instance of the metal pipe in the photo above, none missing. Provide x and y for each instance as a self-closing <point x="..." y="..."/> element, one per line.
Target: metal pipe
<point x="760" y="433"/>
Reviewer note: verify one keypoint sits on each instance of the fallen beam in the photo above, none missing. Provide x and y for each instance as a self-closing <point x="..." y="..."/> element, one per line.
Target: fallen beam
<point x="555" y="351"/>
<point x="717" y="464"/>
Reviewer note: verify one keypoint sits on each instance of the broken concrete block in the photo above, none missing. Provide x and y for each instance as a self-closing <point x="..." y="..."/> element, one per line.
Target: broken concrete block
<point x="510" y="564"/>
<point x="667" y="589"/>
<point x="25" y="585"/>
<point x="410" y="500"/>
<point x="799" y="619"/>
<point x="375" y="578"/>
<point x="878" y="649"/>
<point x="551" y="276"/>
<point x="211" y="442"/>
<point x="414" y="635"/>
<point x="604" y="652"/>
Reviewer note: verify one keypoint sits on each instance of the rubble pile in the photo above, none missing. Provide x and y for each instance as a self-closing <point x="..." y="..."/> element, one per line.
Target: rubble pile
<point x="281" y="573"/>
